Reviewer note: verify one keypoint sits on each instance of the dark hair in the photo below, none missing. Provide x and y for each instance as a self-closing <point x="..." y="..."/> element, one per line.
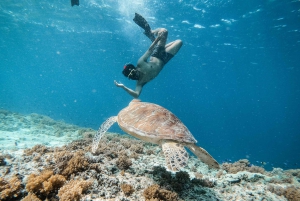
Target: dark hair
<point x="131" y="72"/>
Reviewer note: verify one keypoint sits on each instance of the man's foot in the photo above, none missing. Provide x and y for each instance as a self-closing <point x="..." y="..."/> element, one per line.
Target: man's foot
<point x="139" y="20"/>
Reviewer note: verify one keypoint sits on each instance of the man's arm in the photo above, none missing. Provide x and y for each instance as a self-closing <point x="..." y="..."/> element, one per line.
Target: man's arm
<point x="149" y="51"/>
<point x="135" y="94"/>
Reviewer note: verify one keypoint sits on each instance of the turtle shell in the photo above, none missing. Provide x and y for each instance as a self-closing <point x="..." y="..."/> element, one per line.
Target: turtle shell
<point x="152" y="123"/>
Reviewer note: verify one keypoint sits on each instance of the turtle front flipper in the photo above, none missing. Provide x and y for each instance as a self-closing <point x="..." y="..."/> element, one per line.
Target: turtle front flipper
<point x="203" y="155"/>
<point x="175" y="154"/>
<point x="103" y="128"/>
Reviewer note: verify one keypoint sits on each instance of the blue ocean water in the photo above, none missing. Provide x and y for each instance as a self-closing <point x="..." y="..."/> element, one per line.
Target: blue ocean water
<point x="234" y="83"/>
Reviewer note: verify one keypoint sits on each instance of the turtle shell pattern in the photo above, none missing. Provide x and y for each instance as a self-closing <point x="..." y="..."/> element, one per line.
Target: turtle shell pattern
<point x="152" y="123"/>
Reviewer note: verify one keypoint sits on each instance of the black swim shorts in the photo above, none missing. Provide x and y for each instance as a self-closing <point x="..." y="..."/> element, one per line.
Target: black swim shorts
<point x="160" y="53"/>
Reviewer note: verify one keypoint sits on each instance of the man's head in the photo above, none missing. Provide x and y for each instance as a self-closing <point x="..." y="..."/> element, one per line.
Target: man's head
<point x="131" y="72"/>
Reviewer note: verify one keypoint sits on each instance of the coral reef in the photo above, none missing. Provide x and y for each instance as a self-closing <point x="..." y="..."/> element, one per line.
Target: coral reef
<point x="241" y="165"/>
<point x="180" y="181"/>
<point x="73" y="190"/>
<point x="295" y="173"/>
<point x="10" y="189"/>
<point x="127" y="189"/>
<point x="41" y="149"/>
<point x="2" y="160"/>
<point x="123" y="168"/>
<point x="123" y="162"/>
<point x="138" y="148"/>
<point x="43" y="184"/>
<point x="77" y="163"/>
<point x="155" y="193"/>
<point x="31" y="197"/>
<point x="291" y="192"/>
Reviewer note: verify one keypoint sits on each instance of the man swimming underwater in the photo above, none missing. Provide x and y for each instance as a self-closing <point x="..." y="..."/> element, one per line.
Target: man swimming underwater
<point x="158" y="54"/>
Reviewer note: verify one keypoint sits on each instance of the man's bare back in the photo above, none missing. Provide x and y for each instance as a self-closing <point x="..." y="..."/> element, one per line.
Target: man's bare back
<point x="152" y="62"/>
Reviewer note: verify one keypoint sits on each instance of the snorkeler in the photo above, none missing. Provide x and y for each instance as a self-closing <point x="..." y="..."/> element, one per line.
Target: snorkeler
<point x="159" y="53"/>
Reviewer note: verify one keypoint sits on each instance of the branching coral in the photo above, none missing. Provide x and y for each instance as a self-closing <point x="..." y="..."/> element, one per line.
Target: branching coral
<point x="35" y="182"/>
<point x="123" y="162"/>
<point x="10" y="189"/>
<point x="154" y="192"/>
<point x="126" y="143"/>
<point x="69" y="163"/>
<point x="41" y="149"/>
<point x="73" y="190"/>
<point x="44" y="183"/>
<point x="294" y="172"/>
<point x="291" y="193"/>
<point x="31" y="197"/>
<point x="138" y="148"/>
<point x="53" y="183"/>
<point x="127" y="189"/>
<point x="278" y="190"/>
<point x="242" y="165"/>
<point x="77" y="163"/>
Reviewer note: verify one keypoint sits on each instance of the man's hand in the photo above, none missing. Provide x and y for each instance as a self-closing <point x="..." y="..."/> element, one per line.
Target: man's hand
<point x="118" y="84"/>
<point x="158" y="37"/>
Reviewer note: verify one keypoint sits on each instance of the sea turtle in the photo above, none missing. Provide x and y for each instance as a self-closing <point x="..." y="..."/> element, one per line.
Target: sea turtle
<point x="153" y="123"/>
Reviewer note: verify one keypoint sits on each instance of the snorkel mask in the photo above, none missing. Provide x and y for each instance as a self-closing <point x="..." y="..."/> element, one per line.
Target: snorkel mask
<point x="131" y="72"/>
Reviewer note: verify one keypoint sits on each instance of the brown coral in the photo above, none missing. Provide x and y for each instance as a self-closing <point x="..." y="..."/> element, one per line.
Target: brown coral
<point x="292" y="194"/>
<point x="134" y="155"/>
<point x="154" y="192"/>
<point x="37" y="148"/>
<point x="53" y="183"/>
<point x="10" y="189"/>
<point x="138" y="148"/>
<point x="77" y="163"/>
<point x="44" y="183"/>
<point x="294" y="172"/>
<point x="278" y="190"/>
<point x="35" y="182"/>
<point x="126" y="143"/>
<point x="31" y="197"/>
<point x="242" y="165"/>
<point x="127" y="189"/>
<point x="123" y="162"/>
<point x="70" y="163"/>
<point x="73" y="190"/>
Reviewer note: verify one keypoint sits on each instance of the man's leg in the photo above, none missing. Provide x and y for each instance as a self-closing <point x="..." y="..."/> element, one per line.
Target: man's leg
<point x="173" y="47"/>
<point x="164" y="35"/>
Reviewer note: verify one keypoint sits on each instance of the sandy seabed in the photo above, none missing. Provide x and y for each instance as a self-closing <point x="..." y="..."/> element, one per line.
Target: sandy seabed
<point x="43" y="159"/>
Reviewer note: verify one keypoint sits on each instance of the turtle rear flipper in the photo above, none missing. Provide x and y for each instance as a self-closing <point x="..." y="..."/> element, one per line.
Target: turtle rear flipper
<point x="175" y="154"/>
<point x="140" y="20"/>
<point x="203" y="155"/>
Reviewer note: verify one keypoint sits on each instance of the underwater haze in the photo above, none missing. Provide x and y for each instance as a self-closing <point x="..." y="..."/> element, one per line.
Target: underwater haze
<point x="234" y="83"/>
